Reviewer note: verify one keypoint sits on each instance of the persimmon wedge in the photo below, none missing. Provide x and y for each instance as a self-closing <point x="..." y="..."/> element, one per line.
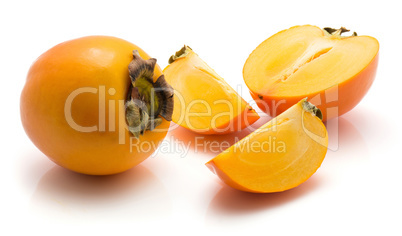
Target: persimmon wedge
<point x="306" y="61"/>
<point x="204" y="102"/>
<point x="279" y="155"/>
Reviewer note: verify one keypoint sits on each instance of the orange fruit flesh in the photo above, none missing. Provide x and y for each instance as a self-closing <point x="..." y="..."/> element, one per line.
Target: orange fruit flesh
<point x="278" y="156"/>
<point x="204" y="102"/>
<point x="302" y="61"/>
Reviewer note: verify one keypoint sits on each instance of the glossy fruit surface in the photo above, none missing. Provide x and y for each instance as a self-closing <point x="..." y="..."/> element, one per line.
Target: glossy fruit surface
<point x="305" y="61"/>
<point x="73" y="106"/>
<point x="279" y="155"/>
<point x="204" y="102"/>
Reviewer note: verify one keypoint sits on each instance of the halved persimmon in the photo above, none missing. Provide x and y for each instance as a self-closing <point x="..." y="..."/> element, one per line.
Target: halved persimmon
<point x="279" y="155"/>
<point x="204" y="102"/>
<point x="306" y="61"/>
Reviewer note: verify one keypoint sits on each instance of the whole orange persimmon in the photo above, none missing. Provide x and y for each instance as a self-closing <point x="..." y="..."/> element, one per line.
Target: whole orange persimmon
<point x="96" y="105"/>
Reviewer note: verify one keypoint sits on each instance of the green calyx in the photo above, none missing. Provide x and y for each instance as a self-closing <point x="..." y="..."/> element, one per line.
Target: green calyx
<point x="180" y="54"/>
<point x="147" y="101"/>
<point x="307" y="106"/>
<point x="337" y="33"/>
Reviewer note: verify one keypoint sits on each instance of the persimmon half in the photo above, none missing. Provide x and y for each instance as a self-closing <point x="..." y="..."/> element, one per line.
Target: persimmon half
<point x="279" y="155"/>
<point x="204" y="102"/>
<point x="96" y="105"/>
<point x="306" y="61"/>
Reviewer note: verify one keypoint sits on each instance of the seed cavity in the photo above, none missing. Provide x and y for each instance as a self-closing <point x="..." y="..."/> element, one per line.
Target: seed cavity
<point x="303" y="61"/>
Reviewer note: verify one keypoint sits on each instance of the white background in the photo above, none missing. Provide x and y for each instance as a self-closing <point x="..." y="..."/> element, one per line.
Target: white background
<point x="356" y="190"/>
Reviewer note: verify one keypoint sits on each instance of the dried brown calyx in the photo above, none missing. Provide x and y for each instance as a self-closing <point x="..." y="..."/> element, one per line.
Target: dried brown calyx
<point x="338" y="32"/>
<point x="147" y="101"/>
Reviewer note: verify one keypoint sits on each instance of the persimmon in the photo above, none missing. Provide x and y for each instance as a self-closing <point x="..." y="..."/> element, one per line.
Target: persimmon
<point x="96" y="105"/>
<point x="204" y="102"/>
<point x="279" y="155"/>
<point x="306" y="61"/>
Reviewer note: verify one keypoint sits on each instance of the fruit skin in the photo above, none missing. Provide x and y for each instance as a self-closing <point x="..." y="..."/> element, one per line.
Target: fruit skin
<point x="98" y="63"/>
<point x="349" y="94"/>
<point x="193" y="80"/>
<point x="345" y="96"/>
<point x="256" y="170"/>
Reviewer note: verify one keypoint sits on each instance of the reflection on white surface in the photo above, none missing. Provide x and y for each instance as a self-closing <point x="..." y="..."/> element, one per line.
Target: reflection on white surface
<point x="229" y="202"/>
<point x="346" y="138"/>
<point x="136" y="194"/>
<point x="212" y="145"/>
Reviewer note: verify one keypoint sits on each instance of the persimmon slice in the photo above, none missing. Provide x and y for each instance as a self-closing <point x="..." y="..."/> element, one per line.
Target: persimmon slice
<point x="279" y="155"/>
<point x="204" y="102"/>
<point x="306" y="61"/>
